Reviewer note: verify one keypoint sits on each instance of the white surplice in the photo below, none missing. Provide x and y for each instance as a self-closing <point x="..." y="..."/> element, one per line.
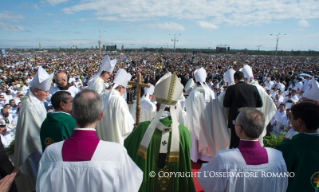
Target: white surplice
<point x="110" y="169"/>
<point x="147" y="110"/>
<point x="231" y="161"/>
<point x="207" y="125"/>
<point x="117" y="122"/>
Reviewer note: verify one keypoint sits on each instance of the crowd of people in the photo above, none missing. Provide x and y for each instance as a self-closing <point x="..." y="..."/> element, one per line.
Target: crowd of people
<point x="231" y="102"/>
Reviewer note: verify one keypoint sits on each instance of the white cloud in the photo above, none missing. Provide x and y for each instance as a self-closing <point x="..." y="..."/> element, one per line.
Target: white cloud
<point x="207" y="25"/>
<point x="36" y="6"/>
<point x="6" y="15"/>
<point x="170" y="26"/>
<point x="303" y="23"/>
<point x="49" y="14"/>
<point x="8" y="27"/>
<point x="231" y="12"/>
<point x="55" y="2"/>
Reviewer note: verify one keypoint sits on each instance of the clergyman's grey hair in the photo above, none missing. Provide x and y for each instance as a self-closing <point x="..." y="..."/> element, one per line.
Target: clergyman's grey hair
<point x="252" y="121"/>
<point x="59" y="96"/>
<point x="87" y="109"/>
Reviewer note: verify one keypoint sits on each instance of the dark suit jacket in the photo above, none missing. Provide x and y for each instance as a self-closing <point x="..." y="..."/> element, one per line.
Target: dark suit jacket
<point x="238" y="96"/>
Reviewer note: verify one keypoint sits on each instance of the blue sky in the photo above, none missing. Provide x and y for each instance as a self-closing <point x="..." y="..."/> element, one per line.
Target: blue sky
<point x="148" y="23"/>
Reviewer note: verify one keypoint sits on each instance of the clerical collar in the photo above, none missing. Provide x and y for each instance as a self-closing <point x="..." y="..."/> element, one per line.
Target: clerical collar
<point x="85" y="129"/>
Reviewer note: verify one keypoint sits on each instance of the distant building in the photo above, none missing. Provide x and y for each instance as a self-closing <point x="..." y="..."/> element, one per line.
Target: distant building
<point x="122" y="47"/>
<point x="40" y="46"/>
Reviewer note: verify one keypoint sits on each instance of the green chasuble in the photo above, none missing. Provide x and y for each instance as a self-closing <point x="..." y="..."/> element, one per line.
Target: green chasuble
<point x="56" y="127"/>
<point x="301" y="154"/>
<point x="156" y="179"/>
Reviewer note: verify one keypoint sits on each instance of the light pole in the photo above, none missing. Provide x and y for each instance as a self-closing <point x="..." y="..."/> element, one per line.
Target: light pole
<point x="175" y="40"/>
<point x="258" y="46"/>
<point x="277" y="39"/>
<point x="100" y="40"/>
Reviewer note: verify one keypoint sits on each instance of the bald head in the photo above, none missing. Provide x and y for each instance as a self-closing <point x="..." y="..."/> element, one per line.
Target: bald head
<point x="61" y="79"/>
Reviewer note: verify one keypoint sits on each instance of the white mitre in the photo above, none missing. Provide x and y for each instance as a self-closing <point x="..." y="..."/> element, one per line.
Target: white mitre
<point x="248" y="73"/>
<point x="313" y="91"/>
<point x="106" y="65"/>
<point x="42" y="80"/>
<point x="200" y="77"/>
<point x="121" y="78"/>
<point x="229" y="76"/>
<point x="149" y="91"/>
<point x="167" y="91"/>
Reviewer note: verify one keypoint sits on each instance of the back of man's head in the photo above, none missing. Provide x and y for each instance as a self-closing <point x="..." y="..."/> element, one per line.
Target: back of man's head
<point x="238" y="75"/>
<point x="251" y="121"/>
<point x="58" y="97"/>
<point x="87" y="107"/>
<point x="308" y="113"/>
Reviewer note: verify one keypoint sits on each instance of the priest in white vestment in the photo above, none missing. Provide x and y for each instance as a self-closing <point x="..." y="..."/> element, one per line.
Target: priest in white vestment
<point x="31" y="115"/>
<point x="117" y="122"/>
<point x="206" y="121"/>
<point x="98" y="81"/>
<point x="147" y="107"/>
<point x="85" y="163"/>
<point x="269" y="108"/>
<point x="250" y="167"/>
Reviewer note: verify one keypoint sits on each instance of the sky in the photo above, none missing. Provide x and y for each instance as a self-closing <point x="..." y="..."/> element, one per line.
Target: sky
<point x="206" y="24"/>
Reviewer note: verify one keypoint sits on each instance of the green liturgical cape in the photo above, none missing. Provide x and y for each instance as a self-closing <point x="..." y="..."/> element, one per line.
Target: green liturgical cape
<point x="301" y="154"/>
<point x="157" y="179"/>
<point x="56" y="127"/>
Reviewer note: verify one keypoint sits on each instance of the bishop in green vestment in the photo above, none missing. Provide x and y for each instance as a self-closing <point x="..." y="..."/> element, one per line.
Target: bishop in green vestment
<point x="301" y="153"/>
<point x="161" y="147"/>
<point x="160" y="182"/>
